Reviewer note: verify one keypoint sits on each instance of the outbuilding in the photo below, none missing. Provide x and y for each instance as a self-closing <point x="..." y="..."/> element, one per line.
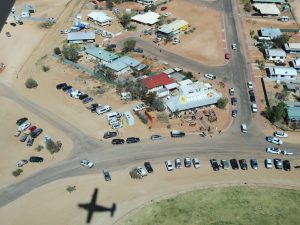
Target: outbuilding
<point x="26" y="10"/>
<point x="100" y="18"/>
<point x="267" y="9"/>
<point x="80" y="37"/>
<point x="148" y="18"/>
<point x="275" y="54"/>
<point x="292" y="48"/>
<point x="282" y="73"/>
<point x="173" y="28"/>
<point x="269" y="33"/>
<point x="296" y="64"/>
<point x="129" y="118"/>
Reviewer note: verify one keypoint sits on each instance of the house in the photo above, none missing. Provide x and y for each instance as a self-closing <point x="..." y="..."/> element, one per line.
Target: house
<point x="129" y="118"/>
<point x="173" y="28"/>
<point x="275" y="54"/>
<point x="293" y="115"/>
<point x="80" y="37"/>
<point x="267" y="9"/>
<point x="100" y="18"/>
<point x="26" y="10"/>
<point x="296" y="64"/>
<point x="292" y="48"/>
<point x="158" y="83"/>
<point x="124" y="64"/>
<point x="268" y="33"/>
<point x="269" y="1"/>
<point x="100" y="54"/>
<point x="282" y="73"/>
<point x="148" y="18"/>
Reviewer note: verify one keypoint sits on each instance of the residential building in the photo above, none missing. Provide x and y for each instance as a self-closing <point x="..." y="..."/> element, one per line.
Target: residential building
<point x="148" y="18"/>
<point x="293" y="115"/>
<point x="129" y="118"/>
<point x="267" y="9"/>
<point x="124" y="64"/>
<point x="100" y="54"/>
<point x="269" y="1"/>
<point x="282" y="73"/>
<point x="100" y="18"/>
<point x="275" y="54"/>
<point x="158" y="83"/>
<point x="268" y="33"/>
<point x="296" y="63"/>
<point x="292" y="48"/>
<point x="173" y="28"/>
<point x="26" y="10"/>
<point x="80" y="37"/>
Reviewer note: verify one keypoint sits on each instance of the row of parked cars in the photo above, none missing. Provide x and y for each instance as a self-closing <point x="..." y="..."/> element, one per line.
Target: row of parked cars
<point x="32" y="159"/>
<point x="130" y="140"/>
<point x="187" y="163"/>
<point x="74" y="93"/>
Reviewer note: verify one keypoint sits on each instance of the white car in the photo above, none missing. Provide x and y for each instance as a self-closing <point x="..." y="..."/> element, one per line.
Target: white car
<point x="178" y="164"/>
<point x="176" y="41"/>
<point x="24" y="126"/>
<point x="280" y="134"/>
<point x="244" y="128"/>
<point x="196" y="163"/>
<point x="103" y="109"/>
<point x="273" y="150"/>
<point x="76" y="94"/>
<point x="117" y="125"/>
<point x="274" y="140"/>
<point x="86" y="163"/>
<point x="254" y="108"/>
<point x="234" y="46"/>
<point x="268" y="163"/>
<point x="65" y="31"/>
<point x="210" y="76"/>
<point x="286" y="152"/>
<point x="113" y="121"/>
<point x="22" y="163"/>
<point x="141" y="171"/>
<point x="139" y="107"/>
<point x="169" y="165"/>
<point x="167" y="14"/>
<point x="250" y="85"/>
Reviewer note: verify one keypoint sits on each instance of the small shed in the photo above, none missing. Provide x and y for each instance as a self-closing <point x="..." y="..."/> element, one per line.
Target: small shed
<point x="129" y="118"/>
<point x="151" y="116"/>
<point x="27" y="10"/>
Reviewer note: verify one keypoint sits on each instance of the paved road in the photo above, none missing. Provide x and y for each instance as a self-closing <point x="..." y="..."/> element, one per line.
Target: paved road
<point x="230" y="144"/>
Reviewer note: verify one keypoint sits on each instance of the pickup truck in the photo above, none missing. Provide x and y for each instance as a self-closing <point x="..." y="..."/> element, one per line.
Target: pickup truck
<point x="177" y="133"/>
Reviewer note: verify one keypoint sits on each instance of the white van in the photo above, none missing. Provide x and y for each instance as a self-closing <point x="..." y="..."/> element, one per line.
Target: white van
<point x="244" y="128"/>
<point x="284" y="18"/>
<point x="112" y="115"/>
<point x="103" y="109"/>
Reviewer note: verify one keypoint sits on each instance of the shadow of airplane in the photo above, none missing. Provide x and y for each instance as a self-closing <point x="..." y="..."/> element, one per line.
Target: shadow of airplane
<point x="93" y="207"/>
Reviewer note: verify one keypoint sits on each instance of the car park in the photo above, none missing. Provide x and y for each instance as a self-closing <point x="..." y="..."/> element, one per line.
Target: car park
<point x="234" y="113"/>
<point x="148" y="167"/>
<point x="60" y="86"/>
<point x="280" y="134"/>
<point x="156" y="137"/>
<point x="196" y="163"/>
<point x="234" y="164"/>
<point x="142" y="171"/>
<point x="36" y="132"/>
<point x="109" y="134"/>
<point x="86" y="163"/>
<point x="274" y="140"/>
<point x="244" y="128"/>
<point x="106" y="175"/>
<point x="268" y="163"/>
<point x="169" y="165"/>
<point x="21" y="121"/>
<point x="22" y="163"/>
<point x="224" y="164"/>
<point x="273" y="150"/>
<point x="243" y="164"/>
<point x="36" y="159"/>
<point x="23" y="138"/>
<point x="250" y="85"/>
<point x="139" y="107"/>
<point x="187" y="162"/>
<point x="132" y="140"/>
<point x="254" y="164"/>
<point x="231" y="91"/>
<point x="178" y="164"/>
<point x="214" y="165"/>
<point x="210" y="76"/>
<point x="234" y="46"/>
<point x="117" y="141"/>
<point x="30" y="142"/>
<point x="24" y="126"/>
<point x="278" y="164"/>
<point x="254" y="108"/>
<point x="286" y="165"/>
<point x="234" y="101"/>
<point x="87" y="100"/>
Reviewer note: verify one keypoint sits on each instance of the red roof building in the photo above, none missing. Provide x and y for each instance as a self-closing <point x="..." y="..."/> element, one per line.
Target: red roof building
<point x="157" y="80"/>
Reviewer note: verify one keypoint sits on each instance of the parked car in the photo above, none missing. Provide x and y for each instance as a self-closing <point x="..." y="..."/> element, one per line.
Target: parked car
<point x="227" y="55"/>
<point x="156" y="137"/>
<point x="132" y="140"/>
<point x="252" y="98"/>
<point x="286" y="165"/>
<point x="83" y="96"/>
<point x="103" y="109"/>
<point x="244" y="128"/>
<point x="109" y="134"/>
<point x="61" y="85"/>
<point x="224" y="164"/>
<point x="86" y="163"/>
<point x="24" y="126"/>
<point x="187" y="162"/>
<point x="214" y="164"/>
<point x="106" y="175"/>
<point x="36" y="159"/>
<point x="280" y="134"/>
<point x="30" y="142"/>
<point x="116" y="126"/>
<point x="23" y="138"/>
<point x="234" y="101"/>
<point x="138" y="50"/>
<point x="254" y="164"/>
<point x="167" y="14"/>
<point x="113" y="115"/>
<point x="117" y="141"/>
<point x="32" y="128"/>
<point x="169" y="165"/>
<point x="66" y="88"/>
<point x="274" y="140"/>
<point x="36" y="132"/>
<point x="163" y="8"/>
<point x="139" y="107"/>
<point x="273" y="150"/>
<point x="287" y="152"/>
<point x="234" y="113"/>
<point x="250" y="85"/>
<point x="254" y="108"/>
<point x="196" y="163"/>
<point x="142" y="171"/>
<point x="234" y="164"/>
<point x="22" y="163"/>
<point x="148" y="167"/>
<point x="278" y="164"/>
<point x="21" y="121"/>
<point x="210" y="76"/>
<point x="243" y="164"/>
<point x="234" y="46"/>
<point x="177" y="133"/>
<point x="87" y="100"/>
<point x="113" y="121"/>
<point x="231" y="91"/>
<point x="268" y="163"/>
<point x="17" y="133"/>
<point x="178" y="164"/>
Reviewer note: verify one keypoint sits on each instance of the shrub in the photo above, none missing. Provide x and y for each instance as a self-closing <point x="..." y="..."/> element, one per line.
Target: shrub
<point x="39" y="148"/>
<point x="169" y="126"/>
<point x="57" y="51"/>
<point x="17" y="172"/>
<point x="134" y="174"/>
<point x="71" y="188"/>
<point x="53" y="147"/>
<point x="46" y="25"/>
<point x="247" y="7"/>
<point x="31" y="83"/>
<point x="45" y="68"/>
<point x="143" y="118"/>
<point x="163" y="118"/>
<point x="222" y="102"/>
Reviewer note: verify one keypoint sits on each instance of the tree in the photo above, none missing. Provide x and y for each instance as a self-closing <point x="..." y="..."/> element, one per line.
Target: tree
<point x="53" y="147"/>
<point x="152" y="8"/>
<point x="252" y="32"/>
<point x="158" y="104"/>
<point x="222" y="102"/>
<point x="281" y="40"/>
<point x="109" y="4"/>
<point x="149" y="98"/>
<point x="137" y="89"/>
<point x="125" y="20"/>
<point x="71" y="52"/>
<point x="128" y="46"/>
<point x="17" y="172"/>
<point x="57" y="51"/>
<point x="276" y="113"/>
<point x="247" y="7"/>
<point x="31" y="83"/>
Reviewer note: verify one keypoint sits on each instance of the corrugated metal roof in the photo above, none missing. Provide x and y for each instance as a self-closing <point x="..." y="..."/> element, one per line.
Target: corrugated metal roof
<point x="269" y="1"/>
<point x="293" y="112"/>
<point x="175" y="25"/>
<point x="78" y="36"/>
<point x="117" y="65"/>
<point x="149" y="18"/>
<point x="267" y="9"/>
<point x="129" y="61"/>
<point x="270" y="32"/>
<point x="275" y="52"/>
<point x="100" y="17"/>
<point x="101" y="54"/>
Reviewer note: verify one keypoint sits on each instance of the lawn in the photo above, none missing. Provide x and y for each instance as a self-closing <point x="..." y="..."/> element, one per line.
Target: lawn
<point x="221" y="206"/>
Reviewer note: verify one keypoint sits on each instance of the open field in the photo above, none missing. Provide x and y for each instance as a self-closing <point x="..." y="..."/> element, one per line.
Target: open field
<point x="235" y="205"/>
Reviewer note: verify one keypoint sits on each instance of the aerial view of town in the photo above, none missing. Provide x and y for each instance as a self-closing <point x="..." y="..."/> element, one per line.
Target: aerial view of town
<point x="150" y="112"/>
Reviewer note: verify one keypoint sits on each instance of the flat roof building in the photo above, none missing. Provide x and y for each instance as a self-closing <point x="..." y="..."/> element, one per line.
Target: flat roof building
<point x="270" y="33"/>
<point x="148" y="18"/>
<point x="282" y="73"/>
<point x="292" y="48"/>
<point x="100" y="18"/>
<point x="275" y="54"/>
<point x="101" y="54"/>
<point x="80" y="37"/>
<point x="267" y="9"/>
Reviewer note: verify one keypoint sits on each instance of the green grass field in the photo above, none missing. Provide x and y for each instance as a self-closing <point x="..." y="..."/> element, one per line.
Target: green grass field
<point x="222" y="206"/>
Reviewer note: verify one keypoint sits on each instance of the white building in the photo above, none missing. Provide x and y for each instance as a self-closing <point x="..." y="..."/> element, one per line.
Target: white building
<point x="292" y="48"/>
<point x="100" y="18"/>
<point x="296" y="64"/>
<point x="275" y="54"/>
<point x="282" y="73"/>
<point x="26" y="10"/>
<point x="148" y="18"/>
<point x="267" y="9"/>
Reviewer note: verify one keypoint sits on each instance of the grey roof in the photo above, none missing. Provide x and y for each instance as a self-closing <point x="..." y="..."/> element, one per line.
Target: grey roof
<point x="270" y="32"/>
<point x="275" y="52"/>
<point x="293" y="112"/>
<point x="268" y="1"/>
<point x="177" y="76"/>
<point x="117" y="65"/>
<point x="129" y="61"/>
<point x="101" y="54"/>
<point x="164" y="30"/>
<point x="296" y="63"/>
<point x="27" y="8"/>
<point x="193" y="100"/>
<point x="78" y="36"/>
<point x="282" y="71"/>
<point x="292" y="46"/>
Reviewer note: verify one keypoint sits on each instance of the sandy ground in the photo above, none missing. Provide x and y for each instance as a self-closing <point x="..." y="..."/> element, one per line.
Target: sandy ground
<point x="60" y="207"/>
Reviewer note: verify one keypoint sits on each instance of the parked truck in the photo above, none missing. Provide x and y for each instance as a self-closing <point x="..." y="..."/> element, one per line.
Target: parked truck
<point x="177" y="133"/>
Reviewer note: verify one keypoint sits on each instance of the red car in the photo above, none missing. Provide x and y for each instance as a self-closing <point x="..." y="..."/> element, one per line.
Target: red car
<point x="227" y="55"/>
<point x="32" y="128"/>
<point x="163" y="8"/>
